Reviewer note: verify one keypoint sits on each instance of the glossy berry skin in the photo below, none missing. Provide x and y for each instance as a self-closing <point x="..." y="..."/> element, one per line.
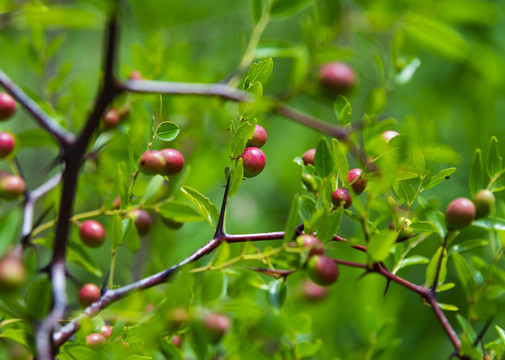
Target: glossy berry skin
<point x="106" y="330"/>
<point x="88" y="294"/>
<point x="12" y="273"/>
<point x="95" y="340"/>
<point x="312" y="291"/>
<point x="7" y="106"/>
<point x="341" y="196"/>
<point x="259" y="137"/>
<point x="337" y="76"/>
<point x="388" y="135"/>
<point x="322" y="270"/>
<point x="216" y="326"/>
<point x="254" y="161"/>
<point x="111" y="119"/>
<point x="311" y="242"/>
<point x="92" y="233"/>
<point x="142" y="221"/>
<point x="174" y="161"/>
<point x="308" y="157"/>
<point x="460" y="213"/>
<point x="11" y="187"/>
<point x="7" y="144"/>
<point x="358" y="185"/>
<point x="152" y="162"/>
<point x="484" y="202"/>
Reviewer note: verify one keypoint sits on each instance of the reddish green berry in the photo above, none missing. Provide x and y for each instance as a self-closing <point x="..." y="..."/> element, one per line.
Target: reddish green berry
<point x="259" y="137"/>
<point x="460" y="213"/>
<point x="11" y="187"/>
<point x="216" y="325"/>
<point x="337" y="77"/>
<point x="176" y="340"/>
<point x="152" y="162"/>
<point x="341" y="197"/>
<point x="92" y="233"/>
<point x="308" y="157"/>
<point x="88" y="294"/>
<point x="312" y="291"/>
<point x="311" y="242"/>
<point x="95" y="340"/>
<point x="12" y="273"/>
<point x="136" y="75"/>
<point x="7" y="144"/>
<point x="484" y="202"/>
<point x="254" y="161"/>
<point x="7" y="106"/>
<point x="322" y="270"/>
<point x="389" y="134"/>
<point x="142" y="221"/>
<point x="174" y="161"/>
<point x="106" y="330"/>
<point x="111" y="119"/>
<point x="357" y="180"/>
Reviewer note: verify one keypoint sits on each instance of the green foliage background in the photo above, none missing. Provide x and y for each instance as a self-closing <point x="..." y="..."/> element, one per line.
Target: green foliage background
<point x="453" y="103"/>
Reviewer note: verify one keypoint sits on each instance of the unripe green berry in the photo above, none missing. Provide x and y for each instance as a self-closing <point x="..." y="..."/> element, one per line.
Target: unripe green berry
<point x="12" y="273"/>
<point x="484" y="202"/>
<point x="11" y="187"/>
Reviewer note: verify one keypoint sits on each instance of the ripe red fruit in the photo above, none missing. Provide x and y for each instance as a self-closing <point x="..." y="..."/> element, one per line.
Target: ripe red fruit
<point x="311" y="242"/>
<point x="88" y="294"/>
<point x="459" y="213"/>
<point x="11" y="187"/>
<point x="111" y="119"/>
<point x="341" y="196"/>
<point x="312" y="291"/>
<point x="308" y="157"/>
<point x="117" y="203"/>
<point x="254" y="161"/>
<point x="337" y="77"/>
<point x="95" y="340"/>
<point x="106" y="330"/>
<point x="12" y="273"/>
<point x="389" y="134"/>
<point x="216" y="326"/>
<point x="484" y="202"/>
<point x="92" y="233"/>
<point x="174" y="161"/>
<point x="136" y="75"/>
<point x="7" y="144"/>
<point x="357" y="180"/>
<point x="259" y="137"/>
<point x="152" y="162"/>
<point x="7" y="106"/>
<point x="176" y="340"/>
<point x="322" y="270"/>
<point x="142" y="220"/>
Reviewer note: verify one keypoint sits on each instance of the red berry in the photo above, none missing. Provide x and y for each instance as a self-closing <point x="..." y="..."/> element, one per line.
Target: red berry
<point x="152" y="162"/>
<point x="95" y="340"/>
<point x="11" y="187"/>
<point x="142" y="221"/>
<point x="357" y="180"/>
<point x="12" y="273"/>
<point x="176" y="340"/>
<point x="106" y="330"/>
<point x="388" y="135"/>
<point x="312" y="291"/>
<point x="341" y="196"/>
<point x="136" y="75"/>
<point x="7" y="106"/>
<point x="308" y="157"/>
<point x="117" y="203"/>
<point x="484" y="202"/>
<point x="111" y="119"/>
<point x="322" y="270"/>
<point x="311" y="242"/>
<point x="254" y="161"/>
<point x="92" y="233"/>
<point x="88" y="294"/>
<point x="216" y="326"/>
<point x="259" y="137"/>
<point x="7" y="144"/>
<point x="174" y="161"/>
<point x="459" y="213"/>
<point x="337" y="77"/>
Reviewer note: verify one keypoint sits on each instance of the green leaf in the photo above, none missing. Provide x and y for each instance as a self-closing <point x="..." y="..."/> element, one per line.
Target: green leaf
<point x="292" y="222"/>
<point x="330" y="225"/>
<point x="341" y="165"/>
<point x="357" y="219"/>
<point x="17" y="335"/>
<point x="431" y="270"/>
<point x="117" y="232"/>
<point x="247" y="110"/>
<point x="494" y="160"/>
<point x="475" y="179"/>
<point x="425" y="227"/>
<point x="302" y="323"/>
<point x="256" y="10"/>
<point x="418" y="160"/>
<point x="376" y="101"/>
<point x="123" y="179"/>
<point x="306" y="349"/>
<point x="260" y="71"/>
<point x="237" y="176"/>
<point x="448" y="307"/>
<point x="380" y="245"/>
<point x="221" y="255"/>
<point x="404" y="191"/>
<point x="179" y="211"/>
<point x="131" y="236"/>
<point x="213" y="286"/>
<point x="35" y="138"/>
<point x="9" y="225"/>
<point x="434" y="180"/>
<point x="204" y="205"/>
<point x="323" y="159"/>
<point x="501" y="332"/>
<point x="306" y="207"/>
<point x="414" y="260"/>
<point x="277" y="291"/>
<point x="167" y="131"/>
<point x="468" y="245"/>
<point x="154" y="184"/>
<point x="465" y="274"/>
<point x="243" y="134"/>
<point x="288" y="7"/>
<point x="38" y="298"/>
<point x="490" y="224"/>
<point x="343" y="110"/>
<point x="77" y="254"/>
